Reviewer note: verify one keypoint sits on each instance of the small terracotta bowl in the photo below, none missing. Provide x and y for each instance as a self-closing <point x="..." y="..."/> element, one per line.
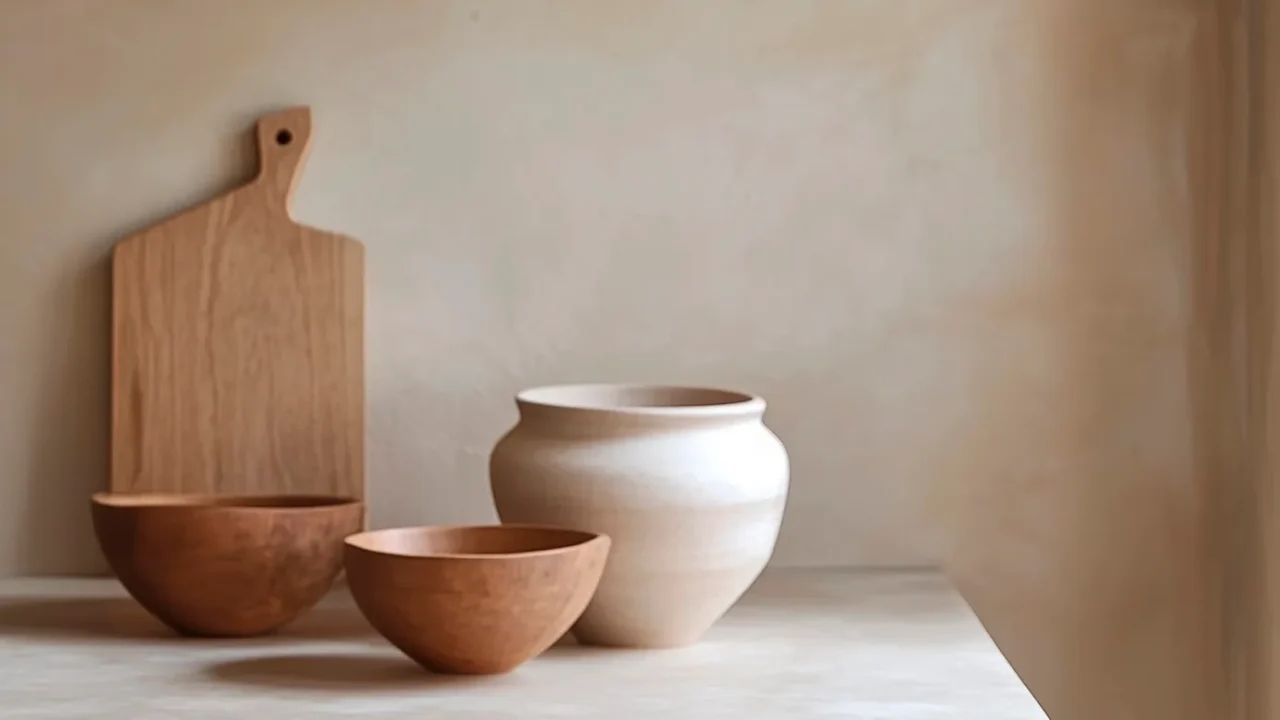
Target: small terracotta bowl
<point x="474" y="600"/>
<point x="225" y="566"/>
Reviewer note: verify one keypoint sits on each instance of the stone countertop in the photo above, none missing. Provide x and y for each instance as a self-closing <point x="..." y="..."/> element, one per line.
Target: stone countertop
<point x="802" y="643"/>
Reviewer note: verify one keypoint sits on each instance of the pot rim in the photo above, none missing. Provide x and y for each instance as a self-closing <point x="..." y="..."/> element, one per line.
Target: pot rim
<point x="562" y="398"/>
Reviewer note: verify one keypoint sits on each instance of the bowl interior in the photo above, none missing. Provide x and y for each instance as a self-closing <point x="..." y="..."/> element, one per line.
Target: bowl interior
<point x="470" y="541"/>
<point x="278" y="502"/>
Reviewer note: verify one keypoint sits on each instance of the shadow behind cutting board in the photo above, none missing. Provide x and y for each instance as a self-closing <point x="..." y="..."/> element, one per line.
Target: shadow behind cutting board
<point x="238" y="343"/>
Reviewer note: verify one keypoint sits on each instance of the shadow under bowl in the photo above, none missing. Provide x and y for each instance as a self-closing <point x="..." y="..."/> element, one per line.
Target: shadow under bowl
<point x="475" y="600"/>
<point x="223" y="565"/>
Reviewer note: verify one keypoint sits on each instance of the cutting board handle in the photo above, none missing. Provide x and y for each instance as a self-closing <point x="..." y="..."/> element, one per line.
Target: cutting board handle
<point x="284" y="138"/>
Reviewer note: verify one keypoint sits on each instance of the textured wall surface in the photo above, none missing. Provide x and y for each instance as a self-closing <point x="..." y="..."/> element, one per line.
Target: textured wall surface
<point x="943" y="239"/>
<point x="1081" y="512"/>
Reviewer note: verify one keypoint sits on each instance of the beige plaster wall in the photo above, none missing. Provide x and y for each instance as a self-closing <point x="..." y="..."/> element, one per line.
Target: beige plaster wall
<point x="1084" y="516"/>
<point x="951" y="242"/>
<point x="945" y="240"/>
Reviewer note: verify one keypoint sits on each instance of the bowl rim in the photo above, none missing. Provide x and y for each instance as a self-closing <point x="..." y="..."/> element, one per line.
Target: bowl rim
<point x="238" y="502"/>
<point x="587" y="537"/>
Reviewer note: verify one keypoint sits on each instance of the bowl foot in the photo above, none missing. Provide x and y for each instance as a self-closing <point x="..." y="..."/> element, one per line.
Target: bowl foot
<point x="206" y="633"/>
<point x="466" y="668"/>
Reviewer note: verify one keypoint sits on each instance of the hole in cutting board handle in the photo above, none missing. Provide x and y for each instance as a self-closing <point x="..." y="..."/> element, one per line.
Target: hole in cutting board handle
<point x="284" y="137"/>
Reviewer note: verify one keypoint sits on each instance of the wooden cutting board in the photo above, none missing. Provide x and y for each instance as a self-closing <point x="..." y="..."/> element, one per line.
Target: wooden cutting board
<point x="238" y="343"/>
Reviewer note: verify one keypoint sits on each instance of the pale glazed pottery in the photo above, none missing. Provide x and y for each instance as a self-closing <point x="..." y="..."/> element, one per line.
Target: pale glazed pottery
<point x="225" y="566"/>
<point x="688" y="482"/>
<point x="474" y="600"/>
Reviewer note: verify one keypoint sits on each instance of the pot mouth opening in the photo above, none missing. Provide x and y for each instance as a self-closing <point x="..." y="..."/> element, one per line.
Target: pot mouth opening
<point x="641" y="399"/>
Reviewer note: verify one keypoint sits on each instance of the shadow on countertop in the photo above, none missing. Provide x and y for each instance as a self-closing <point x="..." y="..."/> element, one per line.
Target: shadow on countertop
<point x="336" y="673"/>
<point x="122" y="619"/>
<point x="92" y="619"/>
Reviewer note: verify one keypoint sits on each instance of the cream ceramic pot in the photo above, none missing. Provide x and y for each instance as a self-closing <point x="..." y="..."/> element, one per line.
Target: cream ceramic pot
<point x="688" y="482"/>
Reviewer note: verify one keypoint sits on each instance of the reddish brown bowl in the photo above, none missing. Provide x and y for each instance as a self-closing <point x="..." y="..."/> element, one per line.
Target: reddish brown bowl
<point x="225" y="566"/>
<point x="474" y="600"/>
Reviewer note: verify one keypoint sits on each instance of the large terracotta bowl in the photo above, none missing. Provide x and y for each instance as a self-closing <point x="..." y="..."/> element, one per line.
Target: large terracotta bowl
<point x="474" y="600"/>
<point x="224" y="566"/>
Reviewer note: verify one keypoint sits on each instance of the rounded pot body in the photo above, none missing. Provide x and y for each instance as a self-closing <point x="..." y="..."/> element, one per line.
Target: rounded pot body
<point x="688" y="482"/>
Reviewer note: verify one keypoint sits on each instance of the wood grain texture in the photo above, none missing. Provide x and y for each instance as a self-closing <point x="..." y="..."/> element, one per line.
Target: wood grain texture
<point x="238" y="343"/>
